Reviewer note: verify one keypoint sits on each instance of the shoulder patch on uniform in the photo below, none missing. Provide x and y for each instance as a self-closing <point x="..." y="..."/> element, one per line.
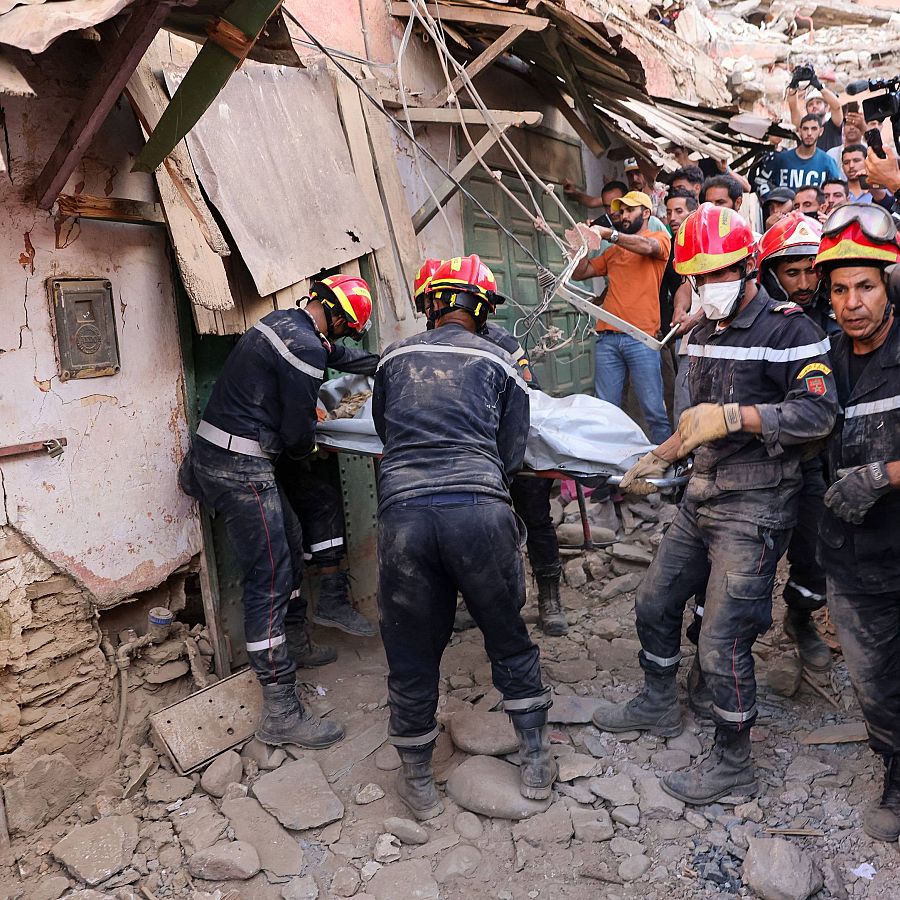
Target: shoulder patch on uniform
<point x="787" y="309"/>
<point x="814" y="367"/>
<point x="816" y="384"/>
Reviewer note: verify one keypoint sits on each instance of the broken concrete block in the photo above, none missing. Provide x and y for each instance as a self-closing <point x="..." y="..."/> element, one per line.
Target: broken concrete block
<point x="490" y="787"/>
<point x="50" y="888"/>
<point x="574" y="574"/>
<point x="298" y="795"/>
<point x="776" y="869"/>
<point x="199" y="824"/>
<point x="50" y="785"/>
<point x="387" y="758"/>
<point x="655" y="803"/>
<point x="592" y="825"/>
<point x="460" y="862"/>
<point x="265" y="757"/>
<point x="631" y="553"/>
<point x="367" y="793"/>
<point x="615" y="789"/>
<point x="633" y="867"/>
<point x="410" y="879"/>
<point x="164" y="787"/>
<point x="483" y="733"/>
<point x="225" y="769"/>
<point x="233" y="860"/>
<point x="551" y="827"/>
<point x="279" y="853"/>
<point x="93" y="853"/>
<point x="387" y="848"/>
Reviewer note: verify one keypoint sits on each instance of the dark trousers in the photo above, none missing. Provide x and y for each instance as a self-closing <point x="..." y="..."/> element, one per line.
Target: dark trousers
<point x="531" y="500"/>
<point x="430" y="548"/>
<point x="266" y="539"/>
<point x="868" y="627"/>
<point x="735" y="562"/>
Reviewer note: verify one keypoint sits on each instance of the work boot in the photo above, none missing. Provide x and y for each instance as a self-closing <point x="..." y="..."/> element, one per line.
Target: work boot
<point x="415" y="782"/>
<point x="655" y="709"/>
<point x="801" y="629"/>
<point x="882" y="820"/>
<point x="551" y="619"/>
<point x="700" y="697"/>
<point x="334" y="609"/>
<point x="284" y="720"/>
<point x="305" y="652"/>
<point x="726" y="769"/>
<point x="537" y="768"/>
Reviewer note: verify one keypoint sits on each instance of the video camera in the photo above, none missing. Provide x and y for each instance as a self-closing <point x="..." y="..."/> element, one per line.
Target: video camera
<point x="877" y="109"/>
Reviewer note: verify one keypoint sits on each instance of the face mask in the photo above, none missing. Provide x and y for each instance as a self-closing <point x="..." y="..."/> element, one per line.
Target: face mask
<point x="717" y="300"/>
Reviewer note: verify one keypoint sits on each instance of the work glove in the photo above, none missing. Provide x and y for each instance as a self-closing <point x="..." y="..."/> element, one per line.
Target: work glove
<point x="855" y="493"/>
<point x="815" y="82"/>
<point x="634" y="481"/>
<point x="707" y="422"/>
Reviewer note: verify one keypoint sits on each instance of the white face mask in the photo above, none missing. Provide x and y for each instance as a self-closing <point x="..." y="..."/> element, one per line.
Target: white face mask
<point x="717" y="300"/>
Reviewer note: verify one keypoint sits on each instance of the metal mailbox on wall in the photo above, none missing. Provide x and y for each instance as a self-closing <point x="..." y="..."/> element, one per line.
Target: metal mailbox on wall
<point x="86" y="339"/>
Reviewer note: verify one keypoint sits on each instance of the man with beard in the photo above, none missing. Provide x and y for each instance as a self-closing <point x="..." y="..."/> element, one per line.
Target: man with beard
<point x="634" y="265"/>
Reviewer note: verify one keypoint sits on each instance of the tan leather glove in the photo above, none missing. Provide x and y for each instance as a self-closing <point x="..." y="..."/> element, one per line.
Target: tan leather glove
<point x="707" y="422"/>
<point x="635" y="481"/>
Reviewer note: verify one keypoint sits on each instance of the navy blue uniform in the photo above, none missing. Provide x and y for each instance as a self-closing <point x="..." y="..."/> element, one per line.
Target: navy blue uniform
<point x="742" y="499"/>
<point x="452" y="411"/>
<point x="862" y="562"/>
<point x="264" y="404"/>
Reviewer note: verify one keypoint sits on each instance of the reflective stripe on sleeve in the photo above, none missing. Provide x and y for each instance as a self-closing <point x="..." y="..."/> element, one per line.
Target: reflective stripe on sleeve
<point x="284" y="352"/>
<point x="256" y="646"/>
<point x="461" y="351"/>
<point x="737" y="717"/>
<point x="326" y="545"/>
<point x="872" y="407"/>
<point x="664" y="661"/>
<point x="761" y="354"/>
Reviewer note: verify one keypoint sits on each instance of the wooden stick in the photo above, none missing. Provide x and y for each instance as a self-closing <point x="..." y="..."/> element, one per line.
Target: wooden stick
<point x="796" y="832"/>
<point x="820" y="690"/>
<point x="148" y="893"/>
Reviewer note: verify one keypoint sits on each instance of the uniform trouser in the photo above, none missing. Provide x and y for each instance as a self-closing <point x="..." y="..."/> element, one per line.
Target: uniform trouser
<point x="735" y="561"/>
<point x="429" y="548"/>
<point x="868" y="627"/>
<point x="266" y="539"/>
<point x="317" y="502"/>
<point x="531" y="500"/>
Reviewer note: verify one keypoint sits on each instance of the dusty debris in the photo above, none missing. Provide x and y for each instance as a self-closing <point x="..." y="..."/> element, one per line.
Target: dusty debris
<point x="50" y="785"/>
<point x="93" y="853"/>
<point x="298" y="795"/>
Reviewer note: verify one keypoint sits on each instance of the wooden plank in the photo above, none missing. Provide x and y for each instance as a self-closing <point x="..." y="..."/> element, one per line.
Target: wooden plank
<point x="447" y="188"/>
<point x="102" y="93"/>
<point x="472" y="16"/>
<point x="470" y="116"/>
<point x="481" y="62"/>
<point x="111" y="209"/>
<point x="209" y="592"/>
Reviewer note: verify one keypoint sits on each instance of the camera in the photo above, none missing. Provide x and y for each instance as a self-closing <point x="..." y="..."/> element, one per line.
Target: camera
<point x="877" y="109"/>
<point x="801" y="74"/>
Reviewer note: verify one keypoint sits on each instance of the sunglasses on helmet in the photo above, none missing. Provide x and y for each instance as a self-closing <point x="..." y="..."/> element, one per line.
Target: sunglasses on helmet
<point x="875" y="222"/>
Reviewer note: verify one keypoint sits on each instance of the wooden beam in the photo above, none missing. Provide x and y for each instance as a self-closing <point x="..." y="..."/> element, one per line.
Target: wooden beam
<point x="474" y="16"/>
<point x="481" y="62"/>
<point x="472" y="116"/>
<point x="107" y="85"/>
<point x="111" y="209"/>
<point x="598" y="146"/>
<point x="447" y="188"/>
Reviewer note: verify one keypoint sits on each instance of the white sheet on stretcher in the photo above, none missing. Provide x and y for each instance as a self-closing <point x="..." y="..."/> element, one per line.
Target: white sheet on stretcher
<point x="577" y="434"/>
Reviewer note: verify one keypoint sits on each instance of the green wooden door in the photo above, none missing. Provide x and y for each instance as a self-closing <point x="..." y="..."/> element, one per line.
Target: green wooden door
<point x="566" y="371"/>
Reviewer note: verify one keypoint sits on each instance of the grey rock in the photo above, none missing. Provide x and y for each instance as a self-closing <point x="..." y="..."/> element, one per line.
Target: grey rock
<point x="225" y="769"/>
<point x="686" y="741"/>
<point x="490" y="787"/>
<point x="304" y="888"/>
<point x="298" y="795"/>
<point x="408" y="831"/>
<point x="625" y="847"/>
<point x="655" y="803"/>
<point x="607" y="629"/>
<point x="778" y="870"/>
<point x="386" y="758"/>
<point x="577" y="765"/>
<point x="265" y="757"/>
<point x="483" y="733"/>
<point x="50" y="888"/>
<point x="551" y="827"/>
<point x="671" y="760"/>
<point x="591" y="825"/>
<point x="785" y="674"/>
<point x="199" y="824"/>
<point x="278" y="852"/>
<point x="49" y="786"/>
<point x="749" y="811"/>
<point x="368" y="793"/>
<point x="468" y="826"/>
<point x="345" y="882"/>
<point x="631" y="553"/>
<point x="571" y="671"/>
<point x="164" y="787"/>
<point x="411" y="880"/>
<point x="387" y="848"/>
<point x="633" y="867"/>
<point x="805" y="768"/>
<point x="234" y="860"/>
<point x="621" y="584"/>
<point x="88" y="895"/>
<point x="627" y="815"/>
<point x="570" y="709"/>
<point x="616" y="789"/>
<point x="574" y="574"/>
<point x="578" y="790"/>
<point x="460" y="862"/>
<point x="235" y="791"/>
<point x="93" y="853"/>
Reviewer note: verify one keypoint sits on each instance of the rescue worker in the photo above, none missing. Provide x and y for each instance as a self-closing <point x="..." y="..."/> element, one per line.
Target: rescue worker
<point x="263" y="405"/>
<point x="530" y="495"/>
<point x="755" y="408"/>
<point x="860" y="530"/>
<point x="787" y="251"/>
<point x="452" y="411"/>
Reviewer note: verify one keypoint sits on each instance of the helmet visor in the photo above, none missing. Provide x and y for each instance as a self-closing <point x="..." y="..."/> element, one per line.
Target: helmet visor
<point x="876" y="223"/>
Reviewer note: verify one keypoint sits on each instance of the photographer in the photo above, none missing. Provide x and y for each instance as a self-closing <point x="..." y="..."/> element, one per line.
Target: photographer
<point x="820" y="102"/>
<point x="885" y="170"/>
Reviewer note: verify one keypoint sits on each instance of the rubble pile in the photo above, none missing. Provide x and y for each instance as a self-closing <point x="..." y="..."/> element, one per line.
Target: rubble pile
<point x="260" y="823"/>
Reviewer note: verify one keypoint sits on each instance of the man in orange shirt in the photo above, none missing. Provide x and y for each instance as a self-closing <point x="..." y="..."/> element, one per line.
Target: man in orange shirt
<point x="634" y="264"/>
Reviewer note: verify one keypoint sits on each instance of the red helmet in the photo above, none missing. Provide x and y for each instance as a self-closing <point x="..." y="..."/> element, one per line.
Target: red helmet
<point x="712" y="238"/>
<point x="794" y="235"/>
<point x="858" y="234"/>
<point x="465" y="282"/>
<point x="423" y="277"/>
<point x="347" y="295"/>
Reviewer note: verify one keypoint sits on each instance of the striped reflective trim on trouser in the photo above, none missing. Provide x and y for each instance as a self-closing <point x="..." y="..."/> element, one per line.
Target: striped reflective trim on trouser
<point x="326" y="545"/>
<point x="804" y="591"/>
<point x="421" y="740"/>
<point x="527" y="704"/>
<point x="872" y="408"/>
<point x="663" y="661"/>
<point x="256" y="646"/>
<point x="736" y="717"/>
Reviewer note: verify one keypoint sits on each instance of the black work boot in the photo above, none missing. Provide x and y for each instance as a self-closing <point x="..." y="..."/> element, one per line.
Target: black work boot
<point x="801" y="629"/>
<point x="726" y="769"/>
<point x="700" y="697"/>
<point x="415" y="782"/>
<point x="284" y="720"/>
<point x="882" y="820"/>
<point x="304" y="651"/>
<point x="551" y="619"/>
<point x="334" y="609"/>
<point x="655" y="709"/>
<point x="537" y="768"/>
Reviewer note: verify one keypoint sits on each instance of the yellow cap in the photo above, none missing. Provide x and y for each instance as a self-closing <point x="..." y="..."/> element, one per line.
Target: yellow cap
<point x="632" y="198"/>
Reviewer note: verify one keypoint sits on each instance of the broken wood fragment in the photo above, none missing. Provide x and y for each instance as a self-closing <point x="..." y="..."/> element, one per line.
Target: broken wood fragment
<point x="427" y="116"/>
<point x="820" y="690"/>
<point x="796" y="832"/>
<point x="500" y="18"/>
<point x="845" y="733"/>
<point x="111" y="209"/>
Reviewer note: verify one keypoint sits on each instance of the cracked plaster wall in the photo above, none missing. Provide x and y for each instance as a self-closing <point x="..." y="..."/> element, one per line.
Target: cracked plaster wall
<point x="109" y="512"/>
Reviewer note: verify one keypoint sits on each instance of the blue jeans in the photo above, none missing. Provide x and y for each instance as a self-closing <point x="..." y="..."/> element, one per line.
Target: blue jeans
<point x="616" y="353"/>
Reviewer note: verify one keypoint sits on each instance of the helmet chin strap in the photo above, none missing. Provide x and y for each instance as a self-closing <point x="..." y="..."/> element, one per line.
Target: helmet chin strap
<point x="740" y="295"/>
